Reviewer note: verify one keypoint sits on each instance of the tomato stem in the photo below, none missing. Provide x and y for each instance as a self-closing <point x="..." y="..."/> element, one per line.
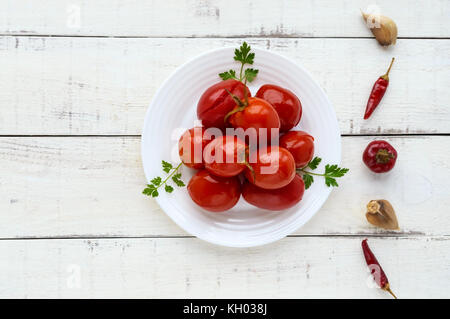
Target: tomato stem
<point x="238" y="109"/>
<point x="236" y="99"/>
<point x="241" y="105"/>
<point x="252" y="171"/>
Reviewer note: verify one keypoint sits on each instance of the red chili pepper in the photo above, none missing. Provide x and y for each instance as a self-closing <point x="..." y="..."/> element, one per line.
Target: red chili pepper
<point x="380" y="156"/>
<point x="375" y="268"/>
<point x="378" y="90"/>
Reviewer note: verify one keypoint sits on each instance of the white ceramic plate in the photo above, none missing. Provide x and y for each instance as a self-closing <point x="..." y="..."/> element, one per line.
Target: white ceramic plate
<point x="173" y="110"/>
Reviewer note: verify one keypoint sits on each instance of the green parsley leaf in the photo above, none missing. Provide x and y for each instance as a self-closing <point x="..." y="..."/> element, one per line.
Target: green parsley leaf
<point x="148" y="190"/>
<point x="330" y="168"/>
<point x="156" y="181"/>
<point x="308" y="179"/>
<point x="331" y="172"/>
<point x="250" y="74"/>
<point x="166" y="166"/>
<point x="243" y="54"/>
<point x="314" y="163"/>
<point x="176" y="179"/>
<point x="330" y="181"/>
<point x="335" y="171"/>
<point x="168" y="188"/>
<point x="228" y="75"/>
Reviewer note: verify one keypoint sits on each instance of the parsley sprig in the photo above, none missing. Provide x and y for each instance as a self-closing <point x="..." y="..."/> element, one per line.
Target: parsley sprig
<point x="157" y="182"/>
<point x="244" y="56"/>
<point x="331" y="173"/>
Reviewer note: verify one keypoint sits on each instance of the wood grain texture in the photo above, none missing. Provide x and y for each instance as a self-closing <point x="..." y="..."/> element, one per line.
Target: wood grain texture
<point x="97" y="86"/>
<point x="190" y="268"/>
<point x="206" y="18"/>
<point x="60" y="196"/>
<point x="91" y="187"/>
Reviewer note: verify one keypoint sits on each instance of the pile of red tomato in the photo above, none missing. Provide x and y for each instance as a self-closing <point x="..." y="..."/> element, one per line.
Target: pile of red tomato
<point x="265" y="176"/>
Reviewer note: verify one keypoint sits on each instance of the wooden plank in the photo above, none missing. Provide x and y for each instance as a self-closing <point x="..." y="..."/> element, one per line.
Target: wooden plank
<point x="96" y="86"/>
<point x="231" y="18"/>
<point x="83" y="186"/>
<point x="190" y="268"/>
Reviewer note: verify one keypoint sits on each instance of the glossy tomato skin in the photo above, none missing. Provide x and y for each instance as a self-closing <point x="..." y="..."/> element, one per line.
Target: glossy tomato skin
<point x="301" y="145"/>
<point x="273" y="167"/>
<point x="213" y="193"/>
<point x="380" y="156"/>
<point x="191" y="146"/>
<point x="274" y="199"/>
<point x="257" y="114"/>
<point x="225" y="156"/>
<point x="285" y="102"/>
<point x="215" y="103"/>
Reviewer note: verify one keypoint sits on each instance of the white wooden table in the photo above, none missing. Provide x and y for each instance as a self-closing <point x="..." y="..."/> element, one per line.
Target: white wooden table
<point x="76" y="78"/>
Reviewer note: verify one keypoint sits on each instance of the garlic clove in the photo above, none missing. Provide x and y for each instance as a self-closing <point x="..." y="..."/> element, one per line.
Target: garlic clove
<point x="380" y="213"/>
<point x="383" y="28"/>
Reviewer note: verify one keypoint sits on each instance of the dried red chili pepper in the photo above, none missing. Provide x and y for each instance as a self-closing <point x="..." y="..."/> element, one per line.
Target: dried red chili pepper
<point x="375" y="268"/>
<point x="378" y="90"/>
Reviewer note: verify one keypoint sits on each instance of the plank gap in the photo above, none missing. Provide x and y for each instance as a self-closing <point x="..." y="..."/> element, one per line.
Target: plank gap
<point x="139" y="136"/>
<point x="213" y="36"/>
<point x="405" y="235"/>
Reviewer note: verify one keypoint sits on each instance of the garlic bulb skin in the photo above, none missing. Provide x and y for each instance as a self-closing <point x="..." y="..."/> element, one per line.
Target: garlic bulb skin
<point x="383" y="28"/>
<point x="380" y="213"/>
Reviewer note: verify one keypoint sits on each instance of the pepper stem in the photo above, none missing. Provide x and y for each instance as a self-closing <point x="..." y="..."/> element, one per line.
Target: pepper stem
<point x="386" y="76"/>
<point x="383" y="156"/>
<point x="388" y="289"/>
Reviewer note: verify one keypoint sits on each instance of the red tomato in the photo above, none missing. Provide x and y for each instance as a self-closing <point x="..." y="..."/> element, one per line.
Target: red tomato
<point x="286" y="103"/>
<point x="380" y="156"/>
<point x="225" y="156"/>
<point x="215" y="103"/>
<point x="257" y="114"/>
<point x="275" y="199"/>
<point x="213" y="193"/>
<point x="301" y="146"/>
<point x="274" y="168"/>
<point x="191" y="145"/>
